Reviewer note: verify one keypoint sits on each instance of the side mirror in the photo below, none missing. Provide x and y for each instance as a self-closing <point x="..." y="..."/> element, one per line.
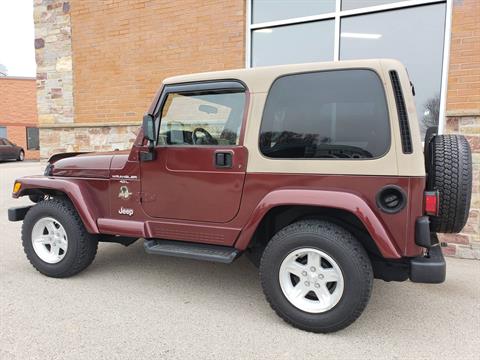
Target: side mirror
<point x="148" y="126"/>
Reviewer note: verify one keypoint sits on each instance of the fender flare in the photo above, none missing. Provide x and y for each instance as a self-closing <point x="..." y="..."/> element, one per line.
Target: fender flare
<point x="76" y="193"/>
<point x="322" y="198"/>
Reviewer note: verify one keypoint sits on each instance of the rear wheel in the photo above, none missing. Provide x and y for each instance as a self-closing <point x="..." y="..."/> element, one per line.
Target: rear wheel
<point x="316" y="276"/>
<point x="55" y="240"/>
<point x="449" y="171"/>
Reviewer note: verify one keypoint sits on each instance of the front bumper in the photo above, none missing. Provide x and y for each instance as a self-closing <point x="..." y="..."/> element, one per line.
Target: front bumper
<point x="18" y="213"/>
<point x="430" y="269"/>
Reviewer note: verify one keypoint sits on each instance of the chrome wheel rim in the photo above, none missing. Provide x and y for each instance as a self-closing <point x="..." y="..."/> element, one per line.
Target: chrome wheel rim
<point x="22" y="155"/>
<point x="49" y="240"/>
<point x="311" y="280"/>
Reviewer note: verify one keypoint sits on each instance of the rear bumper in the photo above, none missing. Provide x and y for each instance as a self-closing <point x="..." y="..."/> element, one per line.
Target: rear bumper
<point x="18" y="213"/>
<point x="430" y="269"/>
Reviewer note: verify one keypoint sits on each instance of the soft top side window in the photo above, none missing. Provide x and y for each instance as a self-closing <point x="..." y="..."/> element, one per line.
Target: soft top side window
<point x="336" y="114"/>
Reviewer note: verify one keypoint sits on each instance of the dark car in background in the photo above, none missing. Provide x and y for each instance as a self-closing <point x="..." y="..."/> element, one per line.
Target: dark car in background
<point x="10" y="151"/>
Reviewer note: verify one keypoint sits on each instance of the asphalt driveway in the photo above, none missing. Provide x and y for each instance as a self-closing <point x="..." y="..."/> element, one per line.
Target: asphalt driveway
<point x="131" y="305"/>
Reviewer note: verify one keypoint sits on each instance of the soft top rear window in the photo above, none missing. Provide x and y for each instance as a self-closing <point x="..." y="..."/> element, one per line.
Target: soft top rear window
<point x="337" y="114"/>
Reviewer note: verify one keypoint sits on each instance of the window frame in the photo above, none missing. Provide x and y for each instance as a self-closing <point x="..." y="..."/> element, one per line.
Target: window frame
<point x="383" y="87"/>
<point x="339" y="14"/>
<point x="221" y="85"/>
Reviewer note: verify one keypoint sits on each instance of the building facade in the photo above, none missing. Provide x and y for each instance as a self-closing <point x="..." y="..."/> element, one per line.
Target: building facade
<point x="99" y="64"/>
<point x="18" y="114"/>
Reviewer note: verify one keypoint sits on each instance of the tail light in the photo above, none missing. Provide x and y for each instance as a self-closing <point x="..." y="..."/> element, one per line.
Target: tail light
<point x="431" y="202"/>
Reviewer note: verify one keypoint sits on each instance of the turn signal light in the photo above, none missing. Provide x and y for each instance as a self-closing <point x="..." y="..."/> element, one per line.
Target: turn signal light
<point x="431" y="202"/>
<point x="16" y="187"/>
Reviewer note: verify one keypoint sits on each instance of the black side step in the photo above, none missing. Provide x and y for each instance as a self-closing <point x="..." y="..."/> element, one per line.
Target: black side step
<point x="216" y="253"/>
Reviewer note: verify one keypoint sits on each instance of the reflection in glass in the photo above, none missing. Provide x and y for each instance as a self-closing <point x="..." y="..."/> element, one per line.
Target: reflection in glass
<point x="293" y="44"/>
<point x="415" y="37"/>
<point x="271" y="10"/>
<point x="355" y="4"/>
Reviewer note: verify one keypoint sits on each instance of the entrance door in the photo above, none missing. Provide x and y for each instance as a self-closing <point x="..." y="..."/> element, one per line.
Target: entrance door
<point x="199" y="168"/>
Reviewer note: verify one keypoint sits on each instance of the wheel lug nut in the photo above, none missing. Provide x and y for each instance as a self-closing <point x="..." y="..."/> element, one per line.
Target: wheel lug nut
<point x="317" y="285"/>
<point x="304" y="273"/>
<point x="312" y="268"/>
<point x="307" y="283"/>
<point x="320" y="276"/>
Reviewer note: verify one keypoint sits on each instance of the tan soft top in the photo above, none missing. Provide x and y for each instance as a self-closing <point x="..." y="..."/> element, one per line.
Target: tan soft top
<point x="259" y="79"/>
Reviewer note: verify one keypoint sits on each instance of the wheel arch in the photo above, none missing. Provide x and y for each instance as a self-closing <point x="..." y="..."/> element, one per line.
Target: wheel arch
<point x="71" y="190"/>
<point x="282" y="207"/>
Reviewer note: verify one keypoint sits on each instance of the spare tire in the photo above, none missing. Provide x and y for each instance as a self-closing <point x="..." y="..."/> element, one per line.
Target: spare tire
<point x="449" y="171"/>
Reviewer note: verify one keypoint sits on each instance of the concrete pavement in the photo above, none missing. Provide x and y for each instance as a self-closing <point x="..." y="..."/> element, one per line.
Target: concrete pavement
<point x="131" y="305"/>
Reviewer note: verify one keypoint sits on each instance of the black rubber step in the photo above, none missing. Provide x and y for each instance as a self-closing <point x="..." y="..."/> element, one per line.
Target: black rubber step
<point x="216" y="253"/>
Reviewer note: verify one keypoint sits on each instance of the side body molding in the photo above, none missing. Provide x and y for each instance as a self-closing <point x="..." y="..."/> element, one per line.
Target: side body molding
<point x="322" y="198"/>
<point x="86" y="203"/>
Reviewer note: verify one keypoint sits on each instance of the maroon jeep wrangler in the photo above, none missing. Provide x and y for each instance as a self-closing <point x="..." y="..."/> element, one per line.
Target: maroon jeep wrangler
<point x="316" y="172"/>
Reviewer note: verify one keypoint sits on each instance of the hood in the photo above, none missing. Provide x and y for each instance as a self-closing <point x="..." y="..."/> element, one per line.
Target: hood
<point x="90" y="165"/>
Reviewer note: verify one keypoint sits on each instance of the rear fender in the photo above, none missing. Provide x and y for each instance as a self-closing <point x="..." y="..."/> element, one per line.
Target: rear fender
<point x="80" y="197"/>
<point x="327" y="199"/>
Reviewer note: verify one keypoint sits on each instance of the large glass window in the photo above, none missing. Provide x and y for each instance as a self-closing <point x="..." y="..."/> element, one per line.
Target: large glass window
<point x="309" y="31"/>
<point x="202" y="118"/>
<point x="338" y="114"/>
<point x="270" y="10"/>
<point x="3" y="131"/>
<point x="415" y="37"/>
<point x="301" y="43"/>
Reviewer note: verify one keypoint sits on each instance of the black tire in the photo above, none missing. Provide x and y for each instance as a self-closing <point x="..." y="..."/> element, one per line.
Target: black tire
<point x="450" y="173"/>
<point x="82" y="246"/>
<point x="349" y="255"/>
<point x="21" y="155"/>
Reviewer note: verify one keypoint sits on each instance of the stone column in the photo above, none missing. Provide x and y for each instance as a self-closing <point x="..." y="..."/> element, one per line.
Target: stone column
<point x="53" y="53"/>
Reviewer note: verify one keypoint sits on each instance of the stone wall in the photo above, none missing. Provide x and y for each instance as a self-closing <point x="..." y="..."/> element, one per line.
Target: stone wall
<point x="467" y="243"/>
<point x="53" y="53"/>
<point x="88" y="138"/>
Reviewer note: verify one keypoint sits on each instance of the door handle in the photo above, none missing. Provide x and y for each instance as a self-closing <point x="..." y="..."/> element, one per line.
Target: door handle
<point x="223" y="159"/>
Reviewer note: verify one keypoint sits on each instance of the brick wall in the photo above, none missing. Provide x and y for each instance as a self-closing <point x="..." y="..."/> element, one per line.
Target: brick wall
<point x="463" y="112"/>
<point x="123" y="49"/>
<point x="464" y="71"/>
<point x="118" y="55"/>
<point x="18" y="109"/>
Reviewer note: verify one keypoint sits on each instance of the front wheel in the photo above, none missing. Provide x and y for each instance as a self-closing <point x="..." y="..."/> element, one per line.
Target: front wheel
<point x="316" y="276"/>
<point x="21" y="155"/>
<point x="55" y="240"/>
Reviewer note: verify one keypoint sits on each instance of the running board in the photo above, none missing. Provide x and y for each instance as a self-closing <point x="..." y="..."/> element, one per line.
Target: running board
<point x="216" y="253"/>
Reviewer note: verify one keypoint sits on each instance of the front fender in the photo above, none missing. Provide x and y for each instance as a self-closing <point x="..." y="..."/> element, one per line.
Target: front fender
<point x="328" y="199"/>
<point x="75" y="190"/>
